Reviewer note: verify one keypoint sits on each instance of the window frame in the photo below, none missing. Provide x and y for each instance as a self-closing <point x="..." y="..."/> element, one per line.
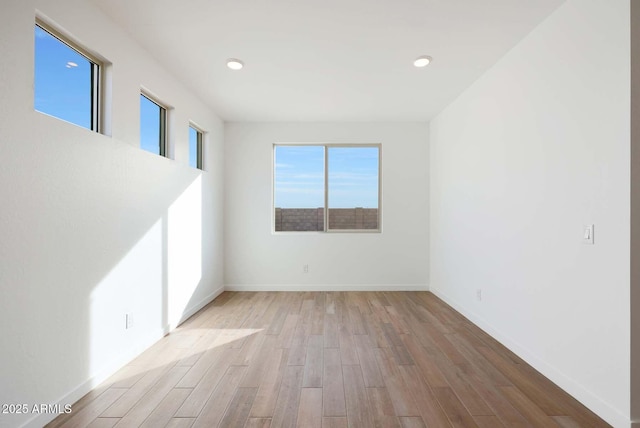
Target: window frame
<point x="97" y="79"/>
<point x="162" y="143"/>
<point x="326" y="147"/>
<point x="199" y="145"/>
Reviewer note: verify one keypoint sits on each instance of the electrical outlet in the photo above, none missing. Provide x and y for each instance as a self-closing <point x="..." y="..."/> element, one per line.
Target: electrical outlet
<point x="128" y="321"/>
<point x="479" y="294"/>
<point x="305" y="268"/>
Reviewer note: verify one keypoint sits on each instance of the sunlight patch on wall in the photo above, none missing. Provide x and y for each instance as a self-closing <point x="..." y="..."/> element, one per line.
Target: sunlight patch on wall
<point x="184" y="261"/>
<point x="139" y="277"/>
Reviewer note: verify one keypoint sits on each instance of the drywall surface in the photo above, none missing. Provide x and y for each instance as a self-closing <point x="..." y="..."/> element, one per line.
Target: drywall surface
<point x="534" y="150"/>
<point x="635" y="213"/>
<point x="91" y="226"/>
<point x="256" y="258"/>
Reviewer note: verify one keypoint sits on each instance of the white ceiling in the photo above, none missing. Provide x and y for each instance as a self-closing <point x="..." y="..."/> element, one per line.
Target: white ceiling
<point x="328" y="60"/>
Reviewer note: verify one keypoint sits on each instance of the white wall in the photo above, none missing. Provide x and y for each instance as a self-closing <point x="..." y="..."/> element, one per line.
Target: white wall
<point x="520" y="161"/>
<point x="92" y="227"/>
<point x="256" y="258"/>
<point x="635" y="212"/>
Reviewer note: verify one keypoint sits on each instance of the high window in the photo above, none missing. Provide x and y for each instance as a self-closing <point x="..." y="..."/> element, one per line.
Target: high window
<point x="327" y="188"/>
<point x="67" y="79"/>
<point x="195" y="147"/>
<point x="153" y="126"/>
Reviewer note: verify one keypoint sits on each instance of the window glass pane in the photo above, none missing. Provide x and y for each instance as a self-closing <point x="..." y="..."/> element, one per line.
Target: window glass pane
<point x="63" y="80"/>
<point x="299" y="188"/>
<point x="150" y="123"/>
<point x="194" y="136"/>
<point x="353" y="187"/>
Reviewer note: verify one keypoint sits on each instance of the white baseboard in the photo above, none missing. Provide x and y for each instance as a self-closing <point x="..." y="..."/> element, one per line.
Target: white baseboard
<point x="586" y="397"/>
<point x="82" y="389"/>
<point x="326" y="287"/>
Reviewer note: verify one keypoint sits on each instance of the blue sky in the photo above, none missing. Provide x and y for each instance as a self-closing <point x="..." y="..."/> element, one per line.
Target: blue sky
<point x="149" y="125"/>
<point x="352" y="179"/>
<point x="193" y="147"/>
<point x="62" y="80"/>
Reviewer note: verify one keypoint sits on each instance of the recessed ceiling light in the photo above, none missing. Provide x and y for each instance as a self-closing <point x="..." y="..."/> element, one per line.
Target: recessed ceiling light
<point x="234" y="64"/>
<point x="422" y="61"/>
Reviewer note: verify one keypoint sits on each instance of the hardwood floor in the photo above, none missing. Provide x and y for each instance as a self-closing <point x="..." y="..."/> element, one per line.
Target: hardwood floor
<point x="328" y="359"/>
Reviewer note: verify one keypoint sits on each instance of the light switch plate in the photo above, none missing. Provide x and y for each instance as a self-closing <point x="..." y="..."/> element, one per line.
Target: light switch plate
<point x="587" y="236"/>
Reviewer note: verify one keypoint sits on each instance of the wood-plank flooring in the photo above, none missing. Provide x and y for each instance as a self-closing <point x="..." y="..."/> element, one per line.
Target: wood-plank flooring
<point x="328" y="360"/>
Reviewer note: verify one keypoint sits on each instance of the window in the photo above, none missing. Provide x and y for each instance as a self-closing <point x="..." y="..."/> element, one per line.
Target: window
<point x="153" y="126"/>
<point x="67" y="79"/>
<point x="353" y="187"/>
<point x="195" y="147"/>
<point x="341" y="180"/>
